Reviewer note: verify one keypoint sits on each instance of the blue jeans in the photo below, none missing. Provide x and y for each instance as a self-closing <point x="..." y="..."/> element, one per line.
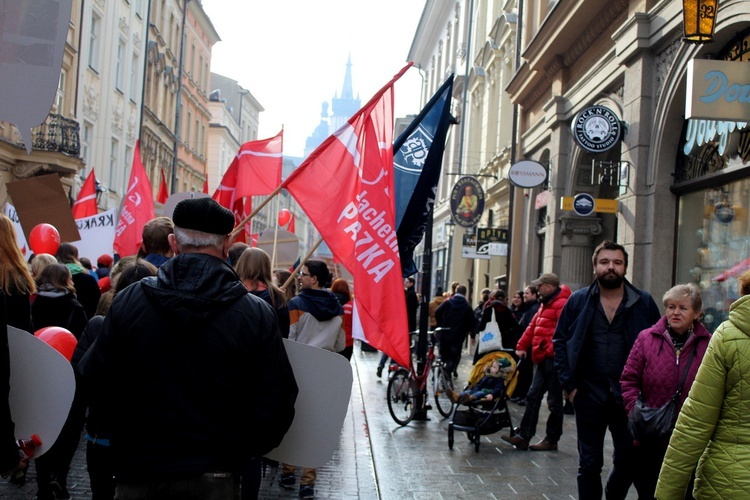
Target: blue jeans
<point x="592" y="421"/>
<point x="545" y="380"/>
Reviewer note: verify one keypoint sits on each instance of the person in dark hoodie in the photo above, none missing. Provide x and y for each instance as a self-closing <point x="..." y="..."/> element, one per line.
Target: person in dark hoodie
<point x="195" y="374"/>
<point x="87" y="287"/>
<point x="316" y="319"/>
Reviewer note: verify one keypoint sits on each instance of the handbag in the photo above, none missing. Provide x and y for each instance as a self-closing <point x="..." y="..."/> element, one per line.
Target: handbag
<point x="489" y="338"/>
<point x="656" y="424"/>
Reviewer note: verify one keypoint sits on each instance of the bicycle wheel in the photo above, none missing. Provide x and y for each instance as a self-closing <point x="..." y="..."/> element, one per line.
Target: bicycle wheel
<point x="402" y="397"/>
<point x="440" y="386"/>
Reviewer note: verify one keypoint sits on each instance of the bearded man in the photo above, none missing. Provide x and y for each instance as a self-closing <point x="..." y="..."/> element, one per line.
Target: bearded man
<point x="594" y="335"/>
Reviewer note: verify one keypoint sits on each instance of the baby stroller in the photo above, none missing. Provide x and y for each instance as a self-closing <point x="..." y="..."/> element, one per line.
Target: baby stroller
<point x="481" y="417"/>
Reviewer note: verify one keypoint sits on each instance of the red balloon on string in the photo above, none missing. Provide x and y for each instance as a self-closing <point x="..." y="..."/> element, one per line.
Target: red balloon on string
<point x="58" y="338"/>
<point x="284" y="217"/>
<point x="44" y="238"/>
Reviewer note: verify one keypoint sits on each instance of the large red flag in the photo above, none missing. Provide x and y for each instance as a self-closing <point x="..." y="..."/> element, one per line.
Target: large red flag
<point x="163" y="194"/>
<point x="85" y="204"/>
<point x="346" y="189"/>
<point x="136" y="210"/>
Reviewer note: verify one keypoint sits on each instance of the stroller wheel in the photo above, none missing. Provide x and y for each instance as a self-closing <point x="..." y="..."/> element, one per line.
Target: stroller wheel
<point x="450" y="437"/>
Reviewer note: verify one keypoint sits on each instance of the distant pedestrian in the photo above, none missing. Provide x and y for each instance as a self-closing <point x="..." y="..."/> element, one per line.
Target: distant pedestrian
<point x="457" y="316"/>
<point x="317" y="320"/>
<point x="86" y="285"/>
<point x="155" y="235"/>
<point x="538" y="337"/>
<point x="596" y="331"/>
<point x="412" y="305"/>
<point x="254" y="269"/>
<point x="527" y="311"/>
<point x="433" y="305"/>
<point x="340" y="288"/>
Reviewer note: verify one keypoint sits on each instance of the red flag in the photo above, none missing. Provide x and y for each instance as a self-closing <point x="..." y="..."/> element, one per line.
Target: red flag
<point x="291" y="225"/>
<point x="242" y="209"/>
<point x="85" y="204"/>
<point x="256" y="170"/>
<point x="346" y="189"/>
<point x="163" y="193"/>
<point x="136" y="210"/>
<point x="205" y="186"/>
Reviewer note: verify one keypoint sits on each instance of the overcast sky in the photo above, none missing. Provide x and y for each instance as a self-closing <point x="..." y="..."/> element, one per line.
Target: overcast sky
<point x="291" y="55"/>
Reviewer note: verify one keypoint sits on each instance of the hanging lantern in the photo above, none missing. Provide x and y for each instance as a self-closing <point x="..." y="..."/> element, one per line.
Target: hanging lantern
<point x="699" y="20"/>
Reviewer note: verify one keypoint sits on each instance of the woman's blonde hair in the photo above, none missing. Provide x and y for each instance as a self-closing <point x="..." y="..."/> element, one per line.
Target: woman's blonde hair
<point x="254" y="265"/>
<point x="41" y="260"/>
<point x="15" y="277"/>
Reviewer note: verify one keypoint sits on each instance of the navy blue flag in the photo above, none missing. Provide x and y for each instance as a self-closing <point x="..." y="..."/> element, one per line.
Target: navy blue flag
<point x="417" y="160"/>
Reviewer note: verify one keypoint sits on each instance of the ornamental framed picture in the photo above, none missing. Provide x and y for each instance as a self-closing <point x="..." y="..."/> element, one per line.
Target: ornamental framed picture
<point x="467" y="201"/>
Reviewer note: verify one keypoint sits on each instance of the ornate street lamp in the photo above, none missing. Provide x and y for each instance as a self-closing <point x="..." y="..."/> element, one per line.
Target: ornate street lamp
<point x="699" y="20"/>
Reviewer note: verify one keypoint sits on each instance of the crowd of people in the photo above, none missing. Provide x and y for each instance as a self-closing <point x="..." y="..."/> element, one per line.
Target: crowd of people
<point x="157" y="338"/>
<point x="159" y="360"/>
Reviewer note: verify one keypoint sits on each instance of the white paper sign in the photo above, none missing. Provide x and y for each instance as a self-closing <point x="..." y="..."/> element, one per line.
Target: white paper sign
<point x="325" y="381"/>
<point x="42" y="386"/>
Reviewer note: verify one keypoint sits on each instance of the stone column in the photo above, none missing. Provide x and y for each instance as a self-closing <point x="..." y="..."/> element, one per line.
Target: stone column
<point x="577" y="247"/>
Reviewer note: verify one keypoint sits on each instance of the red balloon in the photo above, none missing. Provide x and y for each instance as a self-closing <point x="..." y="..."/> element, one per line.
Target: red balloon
<point x="44" y="238"/>
<point x="284" y="217"/>
<point x="59" y="338"/>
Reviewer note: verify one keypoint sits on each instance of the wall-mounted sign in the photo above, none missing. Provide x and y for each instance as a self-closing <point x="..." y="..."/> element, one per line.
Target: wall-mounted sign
<point x="585" y="204"/>
<point x="717" y="90"/>
<point x="469" y="248"/>
<point x="527" y="174"/>
<point x="596" y="129"/>
<point x="492" y="241"/>
<point x="467" y="201"/>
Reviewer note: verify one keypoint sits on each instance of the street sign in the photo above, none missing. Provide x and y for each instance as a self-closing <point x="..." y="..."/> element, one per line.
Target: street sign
<point x="469" y="249"/>
<point x="527" y="174"/>
<point x="584" y="204"/>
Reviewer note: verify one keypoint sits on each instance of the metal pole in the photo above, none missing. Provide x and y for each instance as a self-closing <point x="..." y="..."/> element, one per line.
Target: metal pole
<point x="513" y="148"/>
<point x="178" y="98"/>
<point x="424" y="314"/>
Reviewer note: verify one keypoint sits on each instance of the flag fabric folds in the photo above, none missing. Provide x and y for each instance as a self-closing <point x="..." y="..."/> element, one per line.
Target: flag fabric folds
<point x="417" y="161"/>
<point x="136" y="210"/>
<point x="256" y="170"/>
<point x="85" y="204"/>
<point x="345" y="187"/>
<point x="163" y="194"/>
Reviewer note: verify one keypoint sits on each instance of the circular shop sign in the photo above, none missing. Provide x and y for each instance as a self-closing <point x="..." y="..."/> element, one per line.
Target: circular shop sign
<point x="527" y="174"/>
<point x="583" y="204"/>
<point x="596" y="129"/>
<point x="467" y="202"/>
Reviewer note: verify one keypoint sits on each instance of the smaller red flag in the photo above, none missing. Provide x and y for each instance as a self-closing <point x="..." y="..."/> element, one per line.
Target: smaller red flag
<point x="136" y="210"/>
<point x="85" y="204"/>
<point x="163" y="193"/>
<point x="291" y="225"/>
<point x="205" y="186"/>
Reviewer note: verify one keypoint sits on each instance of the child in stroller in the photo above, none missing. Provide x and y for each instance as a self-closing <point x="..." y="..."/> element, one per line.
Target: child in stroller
<point x="489" y="387"/>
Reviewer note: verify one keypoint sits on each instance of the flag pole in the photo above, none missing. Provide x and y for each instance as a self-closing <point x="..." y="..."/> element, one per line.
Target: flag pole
<point x="244" y="221"/>
<point x="275" y="235"/>
<point x="302" y="262"/>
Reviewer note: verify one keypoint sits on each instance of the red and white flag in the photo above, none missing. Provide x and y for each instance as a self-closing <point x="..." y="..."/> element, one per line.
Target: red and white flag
<point x="85" y="204"/>
<point x="136" y="210"/>
<point x="256" y="170"/>
<point x="346" y="189"/>
<point x="163" y="194"/>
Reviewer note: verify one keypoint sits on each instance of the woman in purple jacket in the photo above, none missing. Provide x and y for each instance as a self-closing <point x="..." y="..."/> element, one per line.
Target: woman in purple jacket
<point x="655" y="367"/>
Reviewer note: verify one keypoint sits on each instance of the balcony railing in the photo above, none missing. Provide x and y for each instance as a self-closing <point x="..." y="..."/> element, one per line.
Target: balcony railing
<point x="59" y="134"/>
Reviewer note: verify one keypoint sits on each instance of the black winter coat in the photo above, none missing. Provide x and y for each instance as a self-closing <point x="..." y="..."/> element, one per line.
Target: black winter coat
<point x="194" y="370"/>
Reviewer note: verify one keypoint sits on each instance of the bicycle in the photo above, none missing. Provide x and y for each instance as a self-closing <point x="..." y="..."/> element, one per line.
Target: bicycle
<point x="405" y="386"/>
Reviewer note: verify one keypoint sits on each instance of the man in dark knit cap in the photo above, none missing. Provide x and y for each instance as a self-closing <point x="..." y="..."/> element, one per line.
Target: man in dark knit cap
<point x="196" y="375"/>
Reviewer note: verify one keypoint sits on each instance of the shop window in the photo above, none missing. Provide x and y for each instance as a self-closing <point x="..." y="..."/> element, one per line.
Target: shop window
<point x="713" y="245"/>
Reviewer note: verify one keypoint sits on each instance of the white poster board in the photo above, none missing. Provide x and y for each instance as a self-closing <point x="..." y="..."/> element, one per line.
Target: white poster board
<point x="325" y="381"/>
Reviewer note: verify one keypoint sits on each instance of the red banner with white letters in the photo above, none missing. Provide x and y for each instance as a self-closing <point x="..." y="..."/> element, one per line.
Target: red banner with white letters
<point x="137" y="209"/>
<point x="346" y="189"/>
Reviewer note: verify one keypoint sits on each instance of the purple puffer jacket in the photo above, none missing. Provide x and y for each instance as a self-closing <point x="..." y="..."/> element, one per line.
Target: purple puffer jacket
<point x="652" y="366"/>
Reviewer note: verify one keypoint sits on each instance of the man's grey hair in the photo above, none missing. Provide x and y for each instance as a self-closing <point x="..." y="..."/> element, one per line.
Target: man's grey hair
<point x="188" y="238"/>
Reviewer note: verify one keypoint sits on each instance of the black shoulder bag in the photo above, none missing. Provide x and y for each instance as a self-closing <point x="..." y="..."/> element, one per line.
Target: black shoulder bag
<point x="656" y="424"/>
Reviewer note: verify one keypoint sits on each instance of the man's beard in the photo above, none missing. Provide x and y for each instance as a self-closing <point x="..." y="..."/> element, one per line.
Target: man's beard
<point x="610" y="281"/>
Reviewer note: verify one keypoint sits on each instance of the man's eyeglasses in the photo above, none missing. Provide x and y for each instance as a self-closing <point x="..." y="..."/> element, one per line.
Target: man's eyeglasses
<point x="300" y="274"/>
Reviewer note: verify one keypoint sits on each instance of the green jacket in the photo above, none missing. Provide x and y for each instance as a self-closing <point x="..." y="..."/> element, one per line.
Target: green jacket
<point x="713" y="428"/>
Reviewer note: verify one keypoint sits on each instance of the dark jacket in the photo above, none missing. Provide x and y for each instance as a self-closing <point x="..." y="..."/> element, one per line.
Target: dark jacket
<point x="8" y="450"/>
<point x="195" y="372"/>
<point x="457" y="315"/>
<point x="18" y="309"/>
<point x="282" y="312"/>
<point x="96" y="426"/>
<point x="87" y="289"/>
<point x="640" y="312"/>
<point x="510" y="331"/>
<point x="412" y="305"/>
<point x="528" y="310"/>
<point x="58" y="308"/>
